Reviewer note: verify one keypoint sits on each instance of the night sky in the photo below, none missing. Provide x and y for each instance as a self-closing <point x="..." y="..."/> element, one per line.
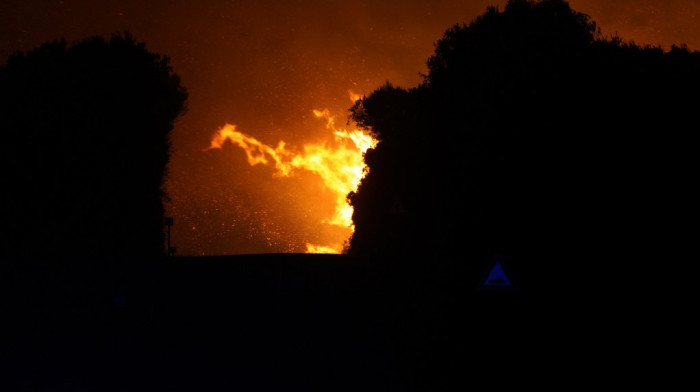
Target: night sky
<point x="265" y="66"/>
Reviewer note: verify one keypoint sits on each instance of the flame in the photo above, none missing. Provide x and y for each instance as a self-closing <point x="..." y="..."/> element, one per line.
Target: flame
<point x="340" y="166"/>
<point x="354" y="97"/>
<point x="310" y="248"/>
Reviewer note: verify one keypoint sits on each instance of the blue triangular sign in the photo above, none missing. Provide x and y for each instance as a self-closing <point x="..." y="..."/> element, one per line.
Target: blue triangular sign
<point x="497" y="276"/>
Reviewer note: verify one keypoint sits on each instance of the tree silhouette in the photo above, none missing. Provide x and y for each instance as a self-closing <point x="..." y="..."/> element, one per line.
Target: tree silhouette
<point x="534" y="136"/>
<point x="85" y="132"/>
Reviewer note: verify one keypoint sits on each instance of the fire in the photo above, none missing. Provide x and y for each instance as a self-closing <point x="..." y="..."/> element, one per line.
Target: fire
<point x="354" y="96"/>
<point x="310" y="248"/>
<point x="340" y="166"/>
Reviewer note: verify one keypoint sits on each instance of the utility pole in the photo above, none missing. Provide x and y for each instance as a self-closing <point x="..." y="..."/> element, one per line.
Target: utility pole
<point x="169" y="222"/>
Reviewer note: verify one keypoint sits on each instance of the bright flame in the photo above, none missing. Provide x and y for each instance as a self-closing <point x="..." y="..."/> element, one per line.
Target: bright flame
<point x="341" y="167"/>
<point x="310" y="248"/>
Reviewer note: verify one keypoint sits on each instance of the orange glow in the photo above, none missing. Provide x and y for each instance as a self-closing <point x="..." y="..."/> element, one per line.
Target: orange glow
<point x="339" y="164"/>
<point x="310" y="248"/>
<point x="354" y="96"/>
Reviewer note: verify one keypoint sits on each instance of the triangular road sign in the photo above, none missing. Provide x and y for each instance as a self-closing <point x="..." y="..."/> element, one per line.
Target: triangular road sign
<point x="497" y="276"/>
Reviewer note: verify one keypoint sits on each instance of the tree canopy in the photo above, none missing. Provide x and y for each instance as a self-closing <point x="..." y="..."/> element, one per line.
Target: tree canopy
<point x="533" y="136"/>
<point x="85" y="131"/>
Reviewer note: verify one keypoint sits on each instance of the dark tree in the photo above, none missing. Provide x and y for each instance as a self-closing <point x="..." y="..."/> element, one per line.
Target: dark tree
<point x="85" y="132"/>
<point x="535" y="137"/>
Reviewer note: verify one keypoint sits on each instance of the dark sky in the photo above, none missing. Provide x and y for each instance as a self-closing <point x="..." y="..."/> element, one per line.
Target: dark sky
<point x="264" y="66"/>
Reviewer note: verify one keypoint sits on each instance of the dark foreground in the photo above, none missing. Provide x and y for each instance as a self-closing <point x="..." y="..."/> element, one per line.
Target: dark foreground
<point x="281" y="322"/>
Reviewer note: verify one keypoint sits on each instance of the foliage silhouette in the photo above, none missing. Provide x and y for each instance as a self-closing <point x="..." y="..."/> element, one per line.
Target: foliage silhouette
<point x="85" y="146"/>
<point x="532" y="136"/>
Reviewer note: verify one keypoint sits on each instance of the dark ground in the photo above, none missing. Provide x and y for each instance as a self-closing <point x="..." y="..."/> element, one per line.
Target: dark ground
<point x="282" y="322"/>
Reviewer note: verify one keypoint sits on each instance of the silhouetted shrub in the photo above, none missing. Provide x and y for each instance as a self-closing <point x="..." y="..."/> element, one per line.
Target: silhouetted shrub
<point x="533" y="136"/>
<point x="85" y="132"/>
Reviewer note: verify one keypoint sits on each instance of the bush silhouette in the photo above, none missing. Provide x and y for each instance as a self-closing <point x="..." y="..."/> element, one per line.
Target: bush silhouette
<point x="532" y="136"/>
<point x="85" y="145"/>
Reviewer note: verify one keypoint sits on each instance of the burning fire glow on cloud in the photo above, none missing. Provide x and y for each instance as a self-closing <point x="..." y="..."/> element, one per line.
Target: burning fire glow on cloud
<point x="339" y="165"/>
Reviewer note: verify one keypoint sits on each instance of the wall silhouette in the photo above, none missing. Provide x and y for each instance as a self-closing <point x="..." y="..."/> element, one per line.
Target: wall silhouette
<point x="85" y="132"/>
<point x="533" y="136"/>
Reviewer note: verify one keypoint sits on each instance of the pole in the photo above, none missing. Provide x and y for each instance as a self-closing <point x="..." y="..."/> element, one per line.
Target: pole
<point x="169" y="222"/>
